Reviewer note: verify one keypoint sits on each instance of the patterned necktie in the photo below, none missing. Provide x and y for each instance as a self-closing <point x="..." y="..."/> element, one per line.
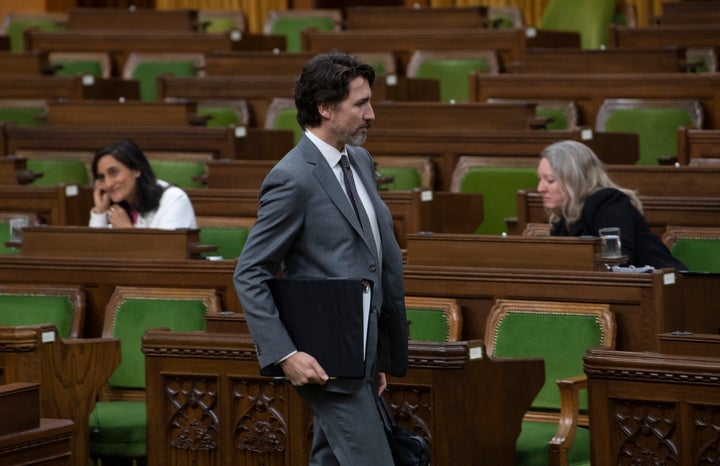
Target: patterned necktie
<point x="355" y="201"/>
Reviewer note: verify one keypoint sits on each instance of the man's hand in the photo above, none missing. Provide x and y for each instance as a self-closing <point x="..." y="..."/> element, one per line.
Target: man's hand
<point x="303" y="369"/>
<point x="382" y="379"/>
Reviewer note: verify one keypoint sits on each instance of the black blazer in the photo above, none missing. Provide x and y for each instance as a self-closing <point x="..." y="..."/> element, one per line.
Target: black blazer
<point x="610" y="207"/>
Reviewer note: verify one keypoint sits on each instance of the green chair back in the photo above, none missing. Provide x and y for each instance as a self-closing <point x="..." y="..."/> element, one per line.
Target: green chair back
<point x="147" y="72"/>
<point x="17" y="27"/>
<point x="427" y="324"/>
<point x="499" y="187"/>
<point x="590" y="18"/>
<point x="78" y="68"/>
<point x="404" y="178"/>
<point x="22" y="115"/>
<point x="220" y="117"/>
<point x="559" y="118"/>
<point x="561" y="338"/>
<point x="656" y="129"/>
<point x="136" y="315"/>
<point x="698" y="254"/>
<point x="220" y="24"/>
<point x="286" y="119"/>
<point x="179" y="172"/>
<point x="229" y="240"/>
<point x="32" y="309"/>
<point x="453" y="75"/>
<point x="292" y="29"/>
<point x="59" y="171"/>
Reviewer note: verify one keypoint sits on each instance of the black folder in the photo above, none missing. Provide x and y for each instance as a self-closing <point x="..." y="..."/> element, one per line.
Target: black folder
<point x="324" y="318"/>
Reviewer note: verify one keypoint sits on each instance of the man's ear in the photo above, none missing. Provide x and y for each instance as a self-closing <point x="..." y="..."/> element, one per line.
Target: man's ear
<point x="324" y="110"/>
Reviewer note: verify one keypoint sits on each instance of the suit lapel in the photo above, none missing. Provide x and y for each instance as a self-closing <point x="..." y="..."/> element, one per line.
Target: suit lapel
<point x="328" y="182"/>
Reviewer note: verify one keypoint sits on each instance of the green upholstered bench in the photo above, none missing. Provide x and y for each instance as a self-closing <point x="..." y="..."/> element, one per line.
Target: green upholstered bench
<point x="118" y="424"/>
<point x="560" y="333"/>
<point x="31" y="304"/>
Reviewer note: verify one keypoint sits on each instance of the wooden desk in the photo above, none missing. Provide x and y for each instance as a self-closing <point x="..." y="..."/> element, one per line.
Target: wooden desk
<point x="247" y="419"/>
<point x="583" y="61"/>
<point x="509" y="43"/>
<point x="446" y="146"/>
<point x="13" y="170"/>
<point x="473" y="116"/>
<point x="204" y="142"/>
<point x="658" y="407"/>
<point x="402" y="17"/>
<point x="66" y="87"/>
<point x="659" y="211"/>
<point x="25" y="63"/>
<point x="71" y="374"/>
<point x="140" y="19"/>
<point x="697" y="144"/>
<point x="513" y="252"/>
<point x="590" y="90"/>
<point x="58" y="205"/>
<point x="47" y="444"/>
<point x="126" y="113"/>
<point x="96" y="243"/>
<point x="678" y="35"/>
<point x="668" y="180"/>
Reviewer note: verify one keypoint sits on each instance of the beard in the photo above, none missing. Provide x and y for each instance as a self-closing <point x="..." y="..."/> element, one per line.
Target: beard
<point x="356" y="138"/>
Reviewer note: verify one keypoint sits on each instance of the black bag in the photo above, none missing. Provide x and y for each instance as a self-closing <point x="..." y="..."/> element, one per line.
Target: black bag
<point x="407" y="447"/>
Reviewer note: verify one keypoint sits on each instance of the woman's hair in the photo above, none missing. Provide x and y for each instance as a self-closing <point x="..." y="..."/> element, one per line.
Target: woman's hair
<point x="580" y="173"/>
<point x="147" y="191"/>
<point x="325" y="79"/>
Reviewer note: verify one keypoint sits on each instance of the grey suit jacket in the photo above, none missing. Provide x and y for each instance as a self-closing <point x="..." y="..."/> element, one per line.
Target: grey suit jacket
<point x="307" y="227"/>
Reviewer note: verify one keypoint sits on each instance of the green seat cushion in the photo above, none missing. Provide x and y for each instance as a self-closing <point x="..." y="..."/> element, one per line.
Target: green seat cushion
<point x="220" y="24"/>
<point x="229" y="240"/>
<point x="499" y="187"/>
<point x="59" y="171"/>
<point x="4" y="238"/>
<point x="698" y="254"/>
<point x="27" y="116"/>
<point x="134" y="316"/>
<point x="78" y="68"/>
<point x="118" y="429"/>
<point x="656" y="129"/>
<point x="292" y="28"/>
<point x="147" y="72"/>
<point x="179" y="172"/>
<point x="17" y="309"/>
<point x="405" y="178"/>
<point x="453" y="75"/>
<point x="532" y="444"/>
<point x="427" y="324"/>
<point x="219" y="116"/>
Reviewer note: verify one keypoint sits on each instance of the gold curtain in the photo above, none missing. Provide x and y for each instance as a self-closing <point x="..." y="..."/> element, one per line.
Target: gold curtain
<point x="255" y="10"/>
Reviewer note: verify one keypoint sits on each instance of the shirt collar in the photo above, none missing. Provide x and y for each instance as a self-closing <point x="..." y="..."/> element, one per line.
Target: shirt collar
<point x="330" y="153"/>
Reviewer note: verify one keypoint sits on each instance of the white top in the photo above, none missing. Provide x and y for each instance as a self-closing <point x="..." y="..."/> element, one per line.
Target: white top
<point x="175" y="211"/>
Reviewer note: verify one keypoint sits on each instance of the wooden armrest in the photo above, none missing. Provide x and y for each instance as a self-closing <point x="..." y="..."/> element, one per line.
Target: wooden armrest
<point x="569" y="414"/>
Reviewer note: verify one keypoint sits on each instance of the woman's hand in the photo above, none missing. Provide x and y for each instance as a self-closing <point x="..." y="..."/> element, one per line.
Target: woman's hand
<point x="102" y="200"/>
<point x="118" y="217"/>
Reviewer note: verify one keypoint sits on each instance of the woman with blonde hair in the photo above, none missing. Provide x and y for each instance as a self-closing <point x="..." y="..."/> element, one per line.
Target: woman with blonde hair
<point x="580" y="199"/>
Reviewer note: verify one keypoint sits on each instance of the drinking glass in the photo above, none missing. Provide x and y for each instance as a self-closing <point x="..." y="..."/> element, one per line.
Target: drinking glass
<point x="611" y="247"/>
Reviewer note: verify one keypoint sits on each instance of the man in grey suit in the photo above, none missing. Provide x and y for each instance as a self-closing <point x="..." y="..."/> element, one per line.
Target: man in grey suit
<point x="314" y="222"/>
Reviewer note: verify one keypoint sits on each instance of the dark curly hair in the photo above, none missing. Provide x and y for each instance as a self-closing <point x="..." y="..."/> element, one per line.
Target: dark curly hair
<point x="325" y="79"/>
